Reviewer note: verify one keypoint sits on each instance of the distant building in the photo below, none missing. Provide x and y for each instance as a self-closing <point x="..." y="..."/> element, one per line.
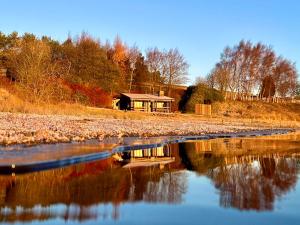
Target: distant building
<point x="145" y="102"/>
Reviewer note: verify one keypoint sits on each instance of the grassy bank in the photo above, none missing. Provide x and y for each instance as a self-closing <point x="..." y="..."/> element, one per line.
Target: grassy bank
<point x="274" y="114"/>
<point x="14" y="104"/>
<point x="244" y="113"/>
<point x="258" y="110"/>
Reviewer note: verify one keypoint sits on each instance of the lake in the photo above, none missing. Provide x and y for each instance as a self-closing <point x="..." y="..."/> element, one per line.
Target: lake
<point x="249" y="180"/>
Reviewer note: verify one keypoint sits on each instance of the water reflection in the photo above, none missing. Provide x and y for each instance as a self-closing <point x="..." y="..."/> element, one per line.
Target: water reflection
<point x="249" y="174"/>
<point x="83" y="186"/>
<point x="255" y="185"/>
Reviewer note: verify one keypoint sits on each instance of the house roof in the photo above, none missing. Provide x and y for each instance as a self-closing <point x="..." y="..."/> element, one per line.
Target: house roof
<point x="147" y="97"/>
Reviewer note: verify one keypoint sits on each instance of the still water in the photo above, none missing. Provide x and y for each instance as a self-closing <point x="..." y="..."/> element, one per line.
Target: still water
<point x="221" y="181"/>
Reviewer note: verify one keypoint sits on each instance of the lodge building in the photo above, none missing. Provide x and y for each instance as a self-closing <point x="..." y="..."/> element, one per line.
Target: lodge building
<point x="145" y="102"/>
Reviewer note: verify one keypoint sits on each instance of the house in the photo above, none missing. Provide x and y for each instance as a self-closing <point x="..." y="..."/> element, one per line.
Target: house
<point x="145" y="102"/>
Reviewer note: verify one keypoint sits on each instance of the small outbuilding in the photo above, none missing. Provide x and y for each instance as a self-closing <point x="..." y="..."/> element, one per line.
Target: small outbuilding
<point x="145" y="102"/>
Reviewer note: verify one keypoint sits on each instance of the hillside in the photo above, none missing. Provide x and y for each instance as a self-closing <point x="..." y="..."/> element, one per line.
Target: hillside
<point x="258" y="110"/>
<point x="237" y="112"/>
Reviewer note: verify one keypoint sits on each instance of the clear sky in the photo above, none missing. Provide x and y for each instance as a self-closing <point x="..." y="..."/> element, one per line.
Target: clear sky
<point x="200" y="29"/>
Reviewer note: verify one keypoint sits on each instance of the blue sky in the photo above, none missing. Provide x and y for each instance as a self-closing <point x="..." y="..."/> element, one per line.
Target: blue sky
<point x="200" y="29"/>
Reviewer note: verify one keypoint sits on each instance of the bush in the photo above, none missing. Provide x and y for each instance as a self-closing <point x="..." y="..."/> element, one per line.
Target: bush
<point x="200" y="94"/>
<point x="80" y="98"/>
<point x="93" y="96"/>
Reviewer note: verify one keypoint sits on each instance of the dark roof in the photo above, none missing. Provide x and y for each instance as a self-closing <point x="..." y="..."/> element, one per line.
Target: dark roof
<point x="147" y="97"/>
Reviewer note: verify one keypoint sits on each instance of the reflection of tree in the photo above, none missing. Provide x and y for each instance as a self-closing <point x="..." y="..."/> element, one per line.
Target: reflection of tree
<point x="82" y="186"/>
<point x="170" y="188"/>
<point x="246" y="180"/>
<point x="254" y="185"/>
<point x="199" y="162"/>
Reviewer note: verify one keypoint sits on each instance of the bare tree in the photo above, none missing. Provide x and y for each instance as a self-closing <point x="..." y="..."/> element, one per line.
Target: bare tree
<point x="201" y="80"/>
<point x="175" y="68"/>
<point x="154" y="61"/>
<point x="133" y="55"/>
<point x="247" y="68"/>
<point x="285" y="77"/>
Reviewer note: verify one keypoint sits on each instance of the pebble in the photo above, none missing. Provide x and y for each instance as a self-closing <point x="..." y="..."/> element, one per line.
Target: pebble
<point x="35" y="129"/>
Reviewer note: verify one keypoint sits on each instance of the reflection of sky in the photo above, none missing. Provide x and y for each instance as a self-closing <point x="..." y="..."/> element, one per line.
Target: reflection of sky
<point x="255" y="164"/>
<point x="288" y="205"/>
<point x="200" y="192"/>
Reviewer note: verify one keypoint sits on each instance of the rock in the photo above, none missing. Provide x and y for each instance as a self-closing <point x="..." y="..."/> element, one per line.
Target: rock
<point x="31" y="128"/>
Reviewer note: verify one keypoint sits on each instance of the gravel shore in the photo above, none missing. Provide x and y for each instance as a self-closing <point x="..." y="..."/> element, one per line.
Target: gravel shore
<point x="37" y="129"/>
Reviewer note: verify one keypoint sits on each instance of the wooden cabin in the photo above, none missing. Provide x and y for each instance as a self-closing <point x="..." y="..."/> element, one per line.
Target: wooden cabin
<point x="145" y="102"/>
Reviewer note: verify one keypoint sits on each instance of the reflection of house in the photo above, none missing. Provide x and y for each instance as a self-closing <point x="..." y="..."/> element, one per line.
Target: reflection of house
<point x="148" y="157"/>
<point x="203" y="146"/>
<point x="145" y="102"/>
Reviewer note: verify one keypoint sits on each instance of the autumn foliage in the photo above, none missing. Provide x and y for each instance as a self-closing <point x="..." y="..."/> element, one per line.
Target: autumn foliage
<point x="94" y="96"/>
<point x="84" y="70"/>
<point x="253" y="69"/>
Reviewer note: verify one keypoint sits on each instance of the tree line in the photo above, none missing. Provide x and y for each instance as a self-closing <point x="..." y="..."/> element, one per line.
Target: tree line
<point x="86" y="70"/>
<point x="253" y="69"/>
<point x="42" y="66"/>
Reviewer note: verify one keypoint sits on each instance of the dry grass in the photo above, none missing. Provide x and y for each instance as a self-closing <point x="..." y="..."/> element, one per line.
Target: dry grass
<point x="243" y="113"/>
<point x="258" y="110"/>
<point x="272" y="114"/>
<point x="11" y="103"/>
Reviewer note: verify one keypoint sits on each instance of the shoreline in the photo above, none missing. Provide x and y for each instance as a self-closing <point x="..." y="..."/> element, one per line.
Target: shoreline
<point x="25" y="163"/>
<point x="33" y="129"/>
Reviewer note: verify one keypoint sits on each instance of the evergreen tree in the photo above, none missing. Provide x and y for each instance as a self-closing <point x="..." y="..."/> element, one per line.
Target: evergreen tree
<point x="141" y="73"/>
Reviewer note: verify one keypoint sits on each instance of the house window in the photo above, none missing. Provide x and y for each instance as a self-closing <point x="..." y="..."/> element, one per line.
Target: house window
<point x="138" y="104"/>
<point x="159" y="104"/>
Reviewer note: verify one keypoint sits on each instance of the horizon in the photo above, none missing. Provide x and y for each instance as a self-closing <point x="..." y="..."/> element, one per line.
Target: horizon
<point x="200" y="30"/>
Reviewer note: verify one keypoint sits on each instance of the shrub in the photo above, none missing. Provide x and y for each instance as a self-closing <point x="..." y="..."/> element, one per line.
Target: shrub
<point x="94" y="96"/>
<point x="200" y="94"/>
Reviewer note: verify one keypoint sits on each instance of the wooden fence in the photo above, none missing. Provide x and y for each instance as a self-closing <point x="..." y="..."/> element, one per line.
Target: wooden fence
<point x="246" y="97"/>
<point x="203" y="109"/>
